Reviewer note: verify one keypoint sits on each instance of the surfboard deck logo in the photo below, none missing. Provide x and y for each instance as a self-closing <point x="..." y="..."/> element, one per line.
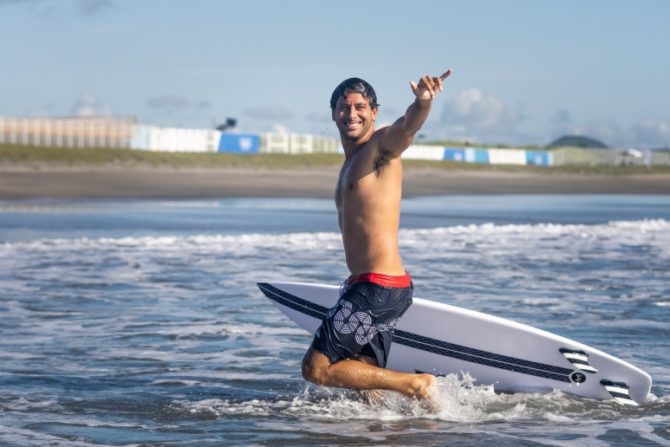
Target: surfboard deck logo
<point x="442" y="339"/>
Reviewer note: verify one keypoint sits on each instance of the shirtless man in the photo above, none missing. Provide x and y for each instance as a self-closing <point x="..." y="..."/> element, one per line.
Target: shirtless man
<point x="351" y="346"/>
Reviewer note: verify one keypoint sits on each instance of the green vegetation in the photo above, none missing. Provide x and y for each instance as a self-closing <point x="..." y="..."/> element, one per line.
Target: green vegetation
<point x="70" y="157"/>
<point x="31" y="155"/>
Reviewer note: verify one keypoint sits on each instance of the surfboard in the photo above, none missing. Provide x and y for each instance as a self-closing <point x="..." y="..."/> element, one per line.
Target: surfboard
<point x="442" y="339"/>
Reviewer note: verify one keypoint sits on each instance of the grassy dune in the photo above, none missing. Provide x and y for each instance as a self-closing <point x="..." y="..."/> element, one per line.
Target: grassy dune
<point x="29" y="156"/>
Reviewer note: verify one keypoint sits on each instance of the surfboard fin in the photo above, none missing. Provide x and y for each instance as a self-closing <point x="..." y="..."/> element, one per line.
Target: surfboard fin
<point x="619" y="392"/>
<point x="579" y="360"/>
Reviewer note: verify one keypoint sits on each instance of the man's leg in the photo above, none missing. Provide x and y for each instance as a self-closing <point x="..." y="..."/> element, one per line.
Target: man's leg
<point x="371" y="396"/>
<point x="359" y="375"/>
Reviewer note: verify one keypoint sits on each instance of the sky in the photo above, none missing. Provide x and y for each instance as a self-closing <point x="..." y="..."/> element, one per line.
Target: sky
<point x="525" y="72"/>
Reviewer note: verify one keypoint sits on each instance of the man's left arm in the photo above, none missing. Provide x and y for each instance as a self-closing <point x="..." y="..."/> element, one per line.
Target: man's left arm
<point x="400" y="134"/>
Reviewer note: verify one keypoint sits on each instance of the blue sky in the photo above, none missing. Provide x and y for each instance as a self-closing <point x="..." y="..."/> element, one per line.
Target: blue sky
<point x="524" y="71"/>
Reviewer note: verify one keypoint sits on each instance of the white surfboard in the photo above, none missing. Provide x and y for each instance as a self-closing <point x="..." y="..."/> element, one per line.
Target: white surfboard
<point x="442" y="339"/>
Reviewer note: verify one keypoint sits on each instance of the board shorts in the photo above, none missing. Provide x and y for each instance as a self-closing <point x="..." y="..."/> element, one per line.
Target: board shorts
<point x="363" y="319"/>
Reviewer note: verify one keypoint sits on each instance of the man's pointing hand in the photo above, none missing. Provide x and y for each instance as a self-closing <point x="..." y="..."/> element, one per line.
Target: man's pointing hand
<point x="429" y="86"/>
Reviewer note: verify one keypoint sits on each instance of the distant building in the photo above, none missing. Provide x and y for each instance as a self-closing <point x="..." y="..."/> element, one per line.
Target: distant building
<point x="95" y="131"/>
<point x="577" y="141"/>
<point x="126" y="132"/>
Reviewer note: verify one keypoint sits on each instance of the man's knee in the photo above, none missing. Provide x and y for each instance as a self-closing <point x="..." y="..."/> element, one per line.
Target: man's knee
<point x="315" y="367"/>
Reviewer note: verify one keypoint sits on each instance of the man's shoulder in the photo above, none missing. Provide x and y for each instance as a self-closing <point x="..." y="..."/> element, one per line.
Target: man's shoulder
<point x="373" y="151"/>
<point x="380" y="148"/>
<point x="376" y="154"/>
<point x="376" y="141"/>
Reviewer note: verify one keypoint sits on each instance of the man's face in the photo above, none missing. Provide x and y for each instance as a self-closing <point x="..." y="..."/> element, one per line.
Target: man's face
<point x="353" y="116"/>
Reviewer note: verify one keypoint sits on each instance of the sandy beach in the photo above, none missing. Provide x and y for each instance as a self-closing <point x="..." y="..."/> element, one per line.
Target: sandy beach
<point x="31" y="182"/>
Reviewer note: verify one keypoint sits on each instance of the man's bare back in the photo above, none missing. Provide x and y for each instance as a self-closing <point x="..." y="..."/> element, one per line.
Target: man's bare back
<point x="367" y="197"/>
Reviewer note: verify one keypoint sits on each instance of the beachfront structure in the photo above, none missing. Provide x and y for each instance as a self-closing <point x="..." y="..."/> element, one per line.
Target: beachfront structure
<point x="126" y="132"/>
<point x="170" y="139"/>
<point x="577" y="141"/>
<point x="480" y="155"/>
<point x="290" y="143"/>
<point x="68" y="132"/>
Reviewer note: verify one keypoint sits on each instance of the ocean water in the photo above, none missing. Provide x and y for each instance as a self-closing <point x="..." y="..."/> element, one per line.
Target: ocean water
<point x="138" y="323"/>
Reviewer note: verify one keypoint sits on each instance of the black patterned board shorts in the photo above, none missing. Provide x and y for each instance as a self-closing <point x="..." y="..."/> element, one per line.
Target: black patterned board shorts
<point x="362" y="322"/>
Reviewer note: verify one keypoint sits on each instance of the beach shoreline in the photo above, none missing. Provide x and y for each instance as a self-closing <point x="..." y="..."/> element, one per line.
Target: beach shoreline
<point x="20" y="182"/>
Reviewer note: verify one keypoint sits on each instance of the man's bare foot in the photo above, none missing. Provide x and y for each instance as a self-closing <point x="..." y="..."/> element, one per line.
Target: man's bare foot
<point x="425" y="386"/>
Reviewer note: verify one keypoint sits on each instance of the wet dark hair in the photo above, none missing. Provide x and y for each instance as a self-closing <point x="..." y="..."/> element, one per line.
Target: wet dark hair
<point x="356" y="85"/>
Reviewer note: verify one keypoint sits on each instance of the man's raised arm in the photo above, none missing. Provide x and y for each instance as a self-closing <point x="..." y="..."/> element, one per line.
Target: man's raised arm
<point x="400" y="134"/>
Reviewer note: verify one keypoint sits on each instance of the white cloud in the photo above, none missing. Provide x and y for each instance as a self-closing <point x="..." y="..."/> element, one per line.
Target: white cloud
<point x="278" y="128"/>
<point x="644" y="134"/>
<point x="473" y="108"/>
<point x="268" y="118"/>
<point x="179" y="111"/>
<point x="476" y="116"/>
<point x="272" y="113"/>
<point x="87" y="105"/>
<point x="176" y="102"/>
<point x="651" y="133"/>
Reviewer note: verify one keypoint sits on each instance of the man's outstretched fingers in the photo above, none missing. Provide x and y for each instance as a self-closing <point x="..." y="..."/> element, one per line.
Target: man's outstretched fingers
<point x="430" y="85"/>
<point x="445" y="75"/>
<point x="438" y="84"/>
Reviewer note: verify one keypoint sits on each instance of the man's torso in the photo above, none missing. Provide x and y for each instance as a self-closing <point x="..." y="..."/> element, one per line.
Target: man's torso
<point x="367" y="196"/>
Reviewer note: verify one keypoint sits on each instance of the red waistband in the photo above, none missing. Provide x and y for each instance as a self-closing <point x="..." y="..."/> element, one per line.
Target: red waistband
<point x="380" y="279"/>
